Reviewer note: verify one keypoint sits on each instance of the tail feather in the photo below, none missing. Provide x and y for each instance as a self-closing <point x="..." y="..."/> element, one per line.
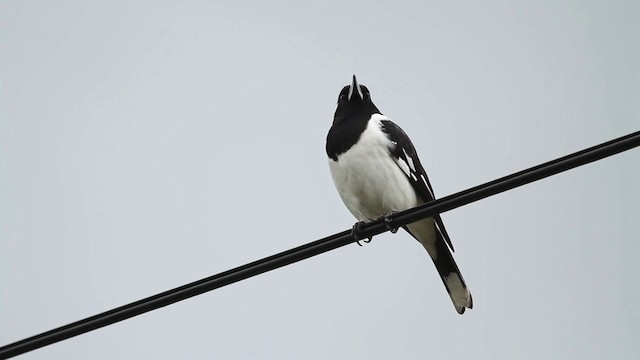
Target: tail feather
<point x="452" y="278"/>
<point x="433" y="241"/>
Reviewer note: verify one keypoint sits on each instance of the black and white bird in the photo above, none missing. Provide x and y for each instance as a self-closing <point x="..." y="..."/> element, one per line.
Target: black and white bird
<point x="376" y="171"/>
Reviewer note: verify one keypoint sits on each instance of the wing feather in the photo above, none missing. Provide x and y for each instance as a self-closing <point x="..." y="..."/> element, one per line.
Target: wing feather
<point x="406" y="158"/>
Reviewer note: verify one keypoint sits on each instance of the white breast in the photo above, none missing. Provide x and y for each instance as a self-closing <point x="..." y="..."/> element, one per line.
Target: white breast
<point x="368" y="179"/>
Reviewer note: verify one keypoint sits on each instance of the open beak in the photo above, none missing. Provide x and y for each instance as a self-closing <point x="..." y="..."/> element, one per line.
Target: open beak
<point x="354" y="88"/>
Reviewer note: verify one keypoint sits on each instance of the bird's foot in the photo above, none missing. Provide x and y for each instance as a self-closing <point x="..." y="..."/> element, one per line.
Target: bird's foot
<point x="387" y="223"/>
<point x="356" y="234"/>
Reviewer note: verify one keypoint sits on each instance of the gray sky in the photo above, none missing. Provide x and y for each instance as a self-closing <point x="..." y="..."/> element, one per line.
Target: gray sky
<point x="147" y="144"/>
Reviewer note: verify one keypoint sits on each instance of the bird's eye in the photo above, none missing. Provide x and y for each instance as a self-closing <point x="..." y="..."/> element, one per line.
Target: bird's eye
<point x="342" y="97"/>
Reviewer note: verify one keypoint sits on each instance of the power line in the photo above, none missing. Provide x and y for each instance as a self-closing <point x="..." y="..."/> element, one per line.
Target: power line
<point x="320" y="246"/>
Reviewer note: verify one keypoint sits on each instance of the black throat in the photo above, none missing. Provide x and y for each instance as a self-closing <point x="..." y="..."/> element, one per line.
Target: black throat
<point x="349" y="121"/>
<point x="345" y="133"/>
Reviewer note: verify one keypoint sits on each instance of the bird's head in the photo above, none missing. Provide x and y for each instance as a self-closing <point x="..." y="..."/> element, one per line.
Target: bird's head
<point x="354" y="100"/>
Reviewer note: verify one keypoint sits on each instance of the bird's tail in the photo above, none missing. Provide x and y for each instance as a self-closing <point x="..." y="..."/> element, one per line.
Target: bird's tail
<point x="430" y="236"/>
<point x="451" y="277"/>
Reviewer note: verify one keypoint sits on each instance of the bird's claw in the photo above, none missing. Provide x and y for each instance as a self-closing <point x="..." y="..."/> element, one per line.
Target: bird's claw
<point x="387" y="223"/>
<point x="355" y="233"/>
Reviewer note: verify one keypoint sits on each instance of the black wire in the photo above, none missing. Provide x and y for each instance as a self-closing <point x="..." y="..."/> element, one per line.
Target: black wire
<point x="320" y="246"/>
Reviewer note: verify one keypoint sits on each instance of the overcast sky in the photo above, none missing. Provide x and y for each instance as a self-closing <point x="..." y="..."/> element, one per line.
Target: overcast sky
<point x="148" y="144"/>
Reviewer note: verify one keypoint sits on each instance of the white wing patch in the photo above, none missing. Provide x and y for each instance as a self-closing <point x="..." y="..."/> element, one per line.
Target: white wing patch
<point x="409" y="160"/>
<point x="403" y="165"/>
<point x="408" y="167"/>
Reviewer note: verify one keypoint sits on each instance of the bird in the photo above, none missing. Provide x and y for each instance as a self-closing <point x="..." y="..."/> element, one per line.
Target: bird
<point x="376" y="171"/>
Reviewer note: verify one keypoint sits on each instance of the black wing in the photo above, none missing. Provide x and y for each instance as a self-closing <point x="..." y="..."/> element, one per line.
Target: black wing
<point x="408" y="161"/>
